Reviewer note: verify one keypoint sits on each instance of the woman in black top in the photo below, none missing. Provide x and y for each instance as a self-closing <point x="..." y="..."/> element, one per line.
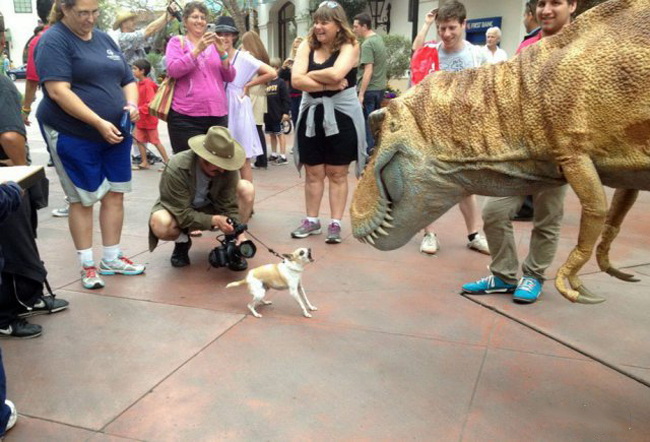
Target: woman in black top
<point x="325" y="65"/>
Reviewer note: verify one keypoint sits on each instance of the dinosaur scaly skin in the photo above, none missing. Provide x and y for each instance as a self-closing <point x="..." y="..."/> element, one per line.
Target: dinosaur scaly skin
<point x="573" y="108"/>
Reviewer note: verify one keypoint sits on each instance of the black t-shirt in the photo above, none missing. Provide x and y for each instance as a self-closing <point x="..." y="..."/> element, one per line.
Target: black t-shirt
<point x="277" y="98"/>
<point x="313" y="66"/>
<point x="96" y="71"/>
<point x="10" y="118"/>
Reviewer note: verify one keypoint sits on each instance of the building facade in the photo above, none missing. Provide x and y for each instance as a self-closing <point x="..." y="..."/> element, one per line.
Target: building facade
<point x="280" y="21"/>
<point x="20" y="20"/>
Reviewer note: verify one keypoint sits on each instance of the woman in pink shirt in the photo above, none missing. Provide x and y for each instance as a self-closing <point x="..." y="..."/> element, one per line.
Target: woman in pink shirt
<point x="199" y="63"/>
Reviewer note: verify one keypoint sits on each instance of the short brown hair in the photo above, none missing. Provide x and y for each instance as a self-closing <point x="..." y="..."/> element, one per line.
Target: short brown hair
<point x="336" y="14"/>
<point x="191" y="6"/>
<point x="452" y="10"/>
<point x="364" y="20"/>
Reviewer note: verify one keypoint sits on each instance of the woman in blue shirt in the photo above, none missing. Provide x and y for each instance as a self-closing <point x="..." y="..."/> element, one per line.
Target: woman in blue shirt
<point x="88" y="86"/>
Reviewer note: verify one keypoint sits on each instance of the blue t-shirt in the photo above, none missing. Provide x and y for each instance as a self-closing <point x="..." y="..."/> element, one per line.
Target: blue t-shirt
<point x="96" y="71"/>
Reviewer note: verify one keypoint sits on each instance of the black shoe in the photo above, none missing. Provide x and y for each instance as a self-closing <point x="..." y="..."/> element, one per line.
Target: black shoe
<point x="136" y="159"/>
<point x="525" y="214"/>
<point x="180" y="256"/>
<point x="21" y="329"/>
<point x="44" y="306"/>
<point x="238" y="264"/>
<point x="50" y="163"/>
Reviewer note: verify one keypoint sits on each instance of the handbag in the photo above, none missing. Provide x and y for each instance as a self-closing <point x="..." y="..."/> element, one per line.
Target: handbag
<point x="162" y="101"/>
<point x="424" y="61"/>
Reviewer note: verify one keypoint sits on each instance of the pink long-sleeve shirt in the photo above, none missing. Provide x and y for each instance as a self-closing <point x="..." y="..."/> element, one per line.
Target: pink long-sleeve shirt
<point x="199" y="90"/>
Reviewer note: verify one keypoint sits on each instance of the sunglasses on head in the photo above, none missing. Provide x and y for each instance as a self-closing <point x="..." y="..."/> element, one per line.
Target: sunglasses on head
<point x="329" y="4"/>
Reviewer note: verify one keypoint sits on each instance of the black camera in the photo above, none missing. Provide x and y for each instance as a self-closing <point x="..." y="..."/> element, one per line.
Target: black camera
<point x="175" y="13"/>
<point x="231" y="254"/>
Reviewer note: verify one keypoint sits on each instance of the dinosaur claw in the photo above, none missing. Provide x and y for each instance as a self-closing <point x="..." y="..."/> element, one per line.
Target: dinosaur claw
<point x="616" y="273"/>
<point x="588" y="297"/>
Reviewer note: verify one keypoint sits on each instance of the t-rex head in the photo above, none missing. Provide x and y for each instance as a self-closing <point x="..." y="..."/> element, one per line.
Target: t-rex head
<point x="401" y="190"/>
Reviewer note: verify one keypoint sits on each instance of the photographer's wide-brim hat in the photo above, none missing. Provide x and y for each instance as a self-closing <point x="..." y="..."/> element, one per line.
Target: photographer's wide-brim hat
<point x="122" y="16"/>
<point x="226" y="24"/>
<point x="218" y="147"/>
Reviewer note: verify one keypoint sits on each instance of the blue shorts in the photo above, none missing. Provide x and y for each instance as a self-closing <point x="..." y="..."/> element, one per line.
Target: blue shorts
<point x="88" y="169"/>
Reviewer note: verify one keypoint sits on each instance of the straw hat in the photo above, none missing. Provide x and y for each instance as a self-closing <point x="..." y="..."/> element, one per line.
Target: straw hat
<point x="122" y="16"/>
<point x="218" y="147"/>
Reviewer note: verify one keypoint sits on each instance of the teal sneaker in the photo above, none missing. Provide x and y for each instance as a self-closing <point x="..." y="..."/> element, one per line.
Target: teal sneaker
<point x="487" y="285"/>
<point x="528" y="290"/>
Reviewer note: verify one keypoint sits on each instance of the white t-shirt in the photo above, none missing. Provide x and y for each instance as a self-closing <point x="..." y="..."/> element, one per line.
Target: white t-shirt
<point x="469" y="57"/>
<point x="498" y="56"/>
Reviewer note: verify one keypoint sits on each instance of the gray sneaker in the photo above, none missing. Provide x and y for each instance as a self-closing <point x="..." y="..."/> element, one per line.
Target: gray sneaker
<point x="90" y="279"/>
<point x="122" y="265"/>
<point x="307" y="228"/>
<point x="61" y="213"/>
<point x="333" y="234"/>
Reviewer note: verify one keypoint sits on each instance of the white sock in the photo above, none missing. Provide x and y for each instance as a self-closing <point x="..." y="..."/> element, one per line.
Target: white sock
<point x="182" y="238"/>
<point x="283" y="156"/>
<point x="111" y="253"/>
<point x="86" y="257"/>
<point x="336" y="221"/>
<point x="312" y="219"/>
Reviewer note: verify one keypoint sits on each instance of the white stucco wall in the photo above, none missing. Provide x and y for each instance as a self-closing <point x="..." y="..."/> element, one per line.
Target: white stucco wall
<point x="22" y="28"/>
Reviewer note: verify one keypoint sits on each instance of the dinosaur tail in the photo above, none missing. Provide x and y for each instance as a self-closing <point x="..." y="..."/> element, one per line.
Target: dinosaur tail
<point x="236" y="284"/>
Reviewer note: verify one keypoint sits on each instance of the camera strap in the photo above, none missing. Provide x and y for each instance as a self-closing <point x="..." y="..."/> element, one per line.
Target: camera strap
<point x="273" y="252"/>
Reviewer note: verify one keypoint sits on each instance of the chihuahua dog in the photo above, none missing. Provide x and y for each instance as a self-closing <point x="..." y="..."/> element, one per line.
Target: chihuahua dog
<point x="285" y="275"/>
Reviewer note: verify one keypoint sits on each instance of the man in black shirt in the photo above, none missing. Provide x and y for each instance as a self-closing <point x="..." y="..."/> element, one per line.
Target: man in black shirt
<point x="23" y="276"/>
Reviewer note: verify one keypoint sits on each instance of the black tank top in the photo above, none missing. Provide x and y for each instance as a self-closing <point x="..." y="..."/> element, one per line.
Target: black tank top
<point x="313" y="66"/>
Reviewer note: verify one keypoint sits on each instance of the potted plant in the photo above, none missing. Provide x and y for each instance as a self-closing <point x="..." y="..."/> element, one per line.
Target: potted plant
<point x="398" y="50"/>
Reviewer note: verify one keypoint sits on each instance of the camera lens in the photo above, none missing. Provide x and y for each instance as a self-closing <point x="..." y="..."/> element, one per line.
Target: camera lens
<point x="247" y="249"/>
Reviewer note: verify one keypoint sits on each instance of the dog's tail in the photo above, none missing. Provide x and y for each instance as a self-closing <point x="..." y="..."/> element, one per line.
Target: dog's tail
<point x="236" y="284"/>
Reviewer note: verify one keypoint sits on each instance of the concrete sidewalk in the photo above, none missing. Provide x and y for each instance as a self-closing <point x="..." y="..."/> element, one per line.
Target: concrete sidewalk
<point x="393" y="353"/>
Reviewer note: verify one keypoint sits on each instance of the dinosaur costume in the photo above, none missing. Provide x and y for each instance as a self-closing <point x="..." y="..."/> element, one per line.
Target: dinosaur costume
<point x="573" y="108"/>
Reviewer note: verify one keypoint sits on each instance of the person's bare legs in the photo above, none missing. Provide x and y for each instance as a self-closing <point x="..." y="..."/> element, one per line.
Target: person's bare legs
<point x="80" y="221"/>
<point x="163" y="152"/>
<point x="246" y="172"/>
<point x="164" y="225"/>
<point x="469" y="208"/>
<point x="245" y="199"/>
<point x="143" y="154"/>
<point x="274" y="144"/>
<point x="111" y="218"/>
<point x="314" y="188"/>
<point x="283" y="144"/>
<point x="338" y="189"/>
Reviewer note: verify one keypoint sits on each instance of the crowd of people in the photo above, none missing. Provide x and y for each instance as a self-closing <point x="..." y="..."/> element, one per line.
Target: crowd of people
<point x="228" y="95"/>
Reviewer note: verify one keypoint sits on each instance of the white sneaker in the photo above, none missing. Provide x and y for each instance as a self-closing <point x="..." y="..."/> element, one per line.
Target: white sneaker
<point x="13" y="417"/>
<point x="479" y="243"/>
<point x="430" y="244"/>
<point x="61" y="213"/>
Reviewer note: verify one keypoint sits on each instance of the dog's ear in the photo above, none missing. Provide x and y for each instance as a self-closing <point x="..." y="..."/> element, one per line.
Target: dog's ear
<point x="287" y="256"/>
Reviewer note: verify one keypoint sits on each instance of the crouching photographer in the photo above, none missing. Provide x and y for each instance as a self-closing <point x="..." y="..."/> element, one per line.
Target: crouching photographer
<point x="199" y="190"/>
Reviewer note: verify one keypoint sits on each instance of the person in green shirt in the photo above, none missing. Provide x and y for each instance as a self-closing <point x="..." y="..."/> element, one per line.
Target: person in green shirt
<point x="371" y="75"/>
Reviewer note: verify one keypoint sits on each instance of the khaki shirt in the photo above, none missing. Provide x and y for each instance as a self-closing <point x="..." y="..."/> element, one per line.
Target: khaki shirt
<point x="177" y="191"/>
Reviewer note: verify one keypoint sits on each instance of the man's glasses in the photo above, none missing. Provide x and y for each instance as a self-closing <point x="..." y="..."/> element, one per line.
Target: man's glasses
<point x="329" y="4"/>
<point x="87" y="14"/>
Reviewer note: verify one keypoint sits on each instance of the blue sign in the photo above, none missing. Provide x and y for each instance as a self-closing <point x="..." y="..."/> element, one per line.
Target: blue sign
<point x="475" y="29"/>
<point x="482" y="24"/>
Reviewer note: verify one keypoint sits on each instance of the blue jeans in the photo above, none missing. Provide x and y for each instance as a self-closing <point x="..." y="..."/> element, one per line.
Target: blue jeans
<point x="5" y="411"/>
<point x="371" y="102"/>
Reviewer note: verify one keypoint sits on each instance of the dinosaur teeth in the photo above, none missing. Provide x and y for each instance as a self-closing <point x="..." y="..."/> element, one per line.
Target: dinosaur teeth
<point x="370" y="240"/>
<point x="387" y="224"/>
<point x="374" y="235"/>
<point x="388" y="217"/>
<point x="361" y="240"/>
<point x="382" y="231"/>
